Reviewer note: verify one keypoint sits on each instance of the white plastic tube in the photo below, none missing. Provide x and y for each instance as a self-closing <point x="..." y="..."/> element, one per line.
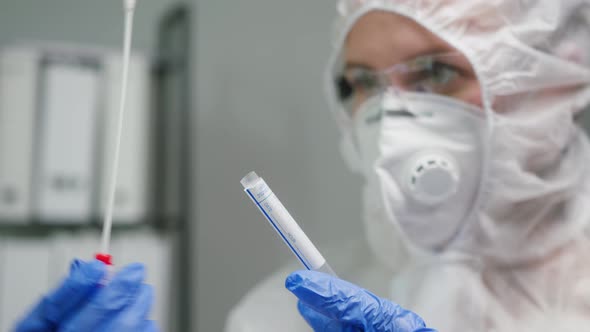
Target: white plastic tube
<point x="278" y="216"/>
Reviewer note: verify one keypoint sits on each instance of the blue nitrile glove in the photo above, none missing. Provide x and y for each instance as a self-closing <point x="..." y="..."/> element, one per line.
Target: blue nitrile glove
<point x="330" y="304"/>
<point x="80" y="303"/>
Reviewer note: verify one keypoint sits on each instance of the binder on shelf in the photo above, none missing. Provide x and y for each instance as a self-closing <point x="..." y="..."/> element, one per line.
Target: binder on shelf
<point x="66" y="145"/>
<point x="18" y="91"/>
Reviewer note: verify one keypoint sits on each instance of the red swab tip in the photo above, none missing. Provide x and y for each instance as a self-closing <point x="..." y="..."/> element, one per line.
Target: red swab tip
<point x="105" y="258"/>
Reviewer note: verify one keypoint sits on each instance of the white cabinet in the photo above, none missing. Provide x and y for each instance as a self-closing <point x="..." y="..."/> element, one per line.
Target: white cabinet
<point x="59" y="109"/>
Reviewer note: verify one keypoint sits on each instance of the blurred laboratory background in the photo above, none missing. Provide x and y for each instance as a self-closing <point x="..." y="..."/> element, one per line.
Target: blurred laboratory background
<point x="217" y="89"/>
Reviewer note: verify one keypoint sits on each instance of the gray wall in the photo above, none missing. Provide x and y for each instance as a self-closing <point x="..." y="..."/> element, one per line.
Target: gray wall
<point x="98" y="23"/>
<point x="260" y="106"/>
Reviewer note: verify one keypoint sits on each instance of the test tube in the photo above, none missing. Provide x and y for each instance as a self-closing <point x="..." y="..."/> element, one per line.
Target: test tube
<point x="282" y="221"/>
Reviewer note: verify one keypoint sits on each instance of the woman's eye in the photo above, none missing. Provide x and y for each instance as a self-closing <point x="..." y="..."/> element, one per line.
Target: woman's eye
<point x="363" y="81"/>
<point x="441" y="73"/>
<point x="437" y="78"/>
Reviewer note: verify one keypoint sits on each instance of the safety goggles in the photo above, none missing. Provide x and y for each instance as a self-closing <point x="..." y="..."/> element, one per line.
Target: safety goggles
<point x="434" y="74"/>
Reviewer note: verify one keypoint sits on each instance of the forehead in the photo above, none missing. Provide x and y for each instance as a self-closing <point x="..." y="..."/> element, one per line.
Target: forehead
<point x="380" y="38"/>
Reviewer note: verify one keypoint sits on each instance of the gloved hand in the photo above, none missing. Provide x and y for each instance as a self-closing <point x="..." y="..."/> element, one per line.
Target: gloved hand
<point x="82" y="304"/>
<point x="330" y="304"/>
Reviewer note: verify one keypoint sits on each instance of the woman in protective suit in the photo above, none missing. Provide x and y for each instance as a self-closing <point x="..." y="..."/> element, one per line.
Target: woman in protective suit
<point x="460" y="115"/>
